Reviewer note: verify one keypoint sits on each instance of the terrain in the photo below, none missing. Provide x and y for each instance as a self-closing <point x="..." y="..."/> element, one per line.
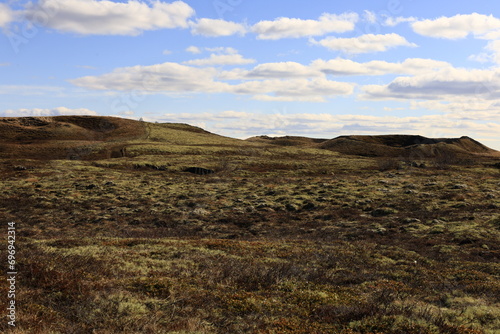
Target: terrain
<point x="356" y="234"/>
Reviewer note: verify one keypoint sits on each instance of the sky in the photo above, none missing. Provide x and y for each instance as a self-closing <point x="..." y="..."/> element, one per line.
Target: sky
<point x="243" y="68"/>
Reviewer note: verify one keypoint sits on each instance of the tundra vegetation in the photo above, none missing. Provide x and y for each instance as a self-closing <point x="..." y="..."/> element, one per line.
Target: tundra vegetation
<point x="285" y="237"/>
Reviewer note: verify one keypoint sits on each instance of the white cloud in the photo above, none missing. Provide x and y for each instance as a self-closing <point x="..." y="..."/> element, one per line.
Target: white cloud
<point x="87" y="67"/>
<point x="25" y="90"/>
<point x="491" y="54"/>
<point x="47" y="112"/>
<point x="337" y="67"/>
<point x="220" y="56"/>
<point x="285" y="27"/>
<point x="245" y="124"/>
<point x="394" y="21"/>
<point x="482" y="57"/>
<point x="6" y="15"/>
<point x="5" y="64"/>
<point x="459" y="26"/>
<point x="162" y="78"/>
<point x="443" y="84"/>
<point x="287" y="69"/>
<point x="313" y="90"/>
<point x="463" y="108"/>
<point x="346" y="67"/>
<point x="216" y="28"/>
<point x="364" y="43"/>
<point x="166" y="52"/>
<point x="223" y="50"/>
<point x="193" y="49"/>
<point x="369" y="16"/>
<point x="171" y="78"/>
<point x="94" y="17"/>
<point x="494" y="47"/>
<point x="230" y="59"/>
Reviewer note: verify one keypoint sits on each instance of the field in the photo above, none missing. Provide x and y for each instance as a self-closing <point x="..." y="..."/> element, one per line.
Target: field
<point x="278" y="239"/>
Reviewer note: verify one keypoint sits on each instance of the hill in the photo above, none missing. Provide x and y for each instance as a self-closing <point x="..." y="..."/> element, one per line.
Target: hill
<point x="411" y="146"/>
<point x="98" y="137"/>
<point x="288" y="141"/>
<point x="92" y="137"/>
<point x="168" y="228"/>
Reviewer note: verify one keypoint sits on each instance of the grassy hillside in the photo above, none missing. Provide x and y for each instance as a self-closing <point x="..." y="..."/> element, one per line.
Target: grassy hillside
<point x="403" y="146"/>
<point x="90" y="137"/>
<point x="291" y="239"/>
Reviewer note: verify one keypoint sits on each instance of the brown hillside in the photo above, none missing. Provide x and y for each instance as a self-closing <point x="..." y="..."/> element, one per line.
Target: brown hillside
<point x="407" y="146"/>
<point x="288" y="141"/>
<point x="62" y="137"/>
<point x="410" y="146"/>
<point x="98" y="137"/>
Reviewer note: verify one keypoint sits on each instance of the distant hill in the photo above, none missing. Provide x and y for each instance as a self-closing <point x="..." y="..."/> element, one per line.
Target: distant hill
<point x="288" y="141"/>
<point x="99" y="137"/>
<point x="411" y="146"/>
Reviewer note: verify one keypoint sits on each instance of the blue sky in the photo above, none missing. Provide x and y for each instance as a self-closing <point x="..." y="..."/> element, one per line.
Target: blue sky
<point x="242" y="68"/>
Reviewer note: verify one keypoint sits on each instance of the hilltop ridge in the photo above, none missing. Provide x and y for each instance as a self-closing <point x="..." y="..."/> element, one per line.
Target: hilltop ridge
<point x="101" y="137"/>
<point x="388" y="145"/>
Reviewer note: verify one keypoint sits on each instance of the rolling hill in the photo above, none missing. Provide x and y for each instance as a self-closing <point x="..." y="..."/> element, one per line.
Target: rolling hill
<point x="99" y="137"/>
<point x="408" y="146"/>
<point x="94" y="137"/>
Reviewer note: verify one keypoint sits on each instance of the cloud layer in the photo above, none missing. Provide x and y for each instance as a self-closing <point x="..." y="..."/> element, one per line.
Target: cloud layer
<point x="444" y="84"/>
<point x="6" y="15"/>
<point x="364" y="43"/>
<point x="217" y="28"/>
<point x="287" y="81"/>
<point x="459" y="26"/>
<point x="92" y="17"/>
<point x="59" y="111"/>
<point x="285" y="27"/>
<point x="245" y="124"/>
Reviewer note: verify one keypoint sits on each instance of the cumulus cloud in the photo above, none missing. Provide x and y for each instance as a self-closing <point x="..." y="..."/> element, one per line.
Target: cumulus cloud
<point x="440" y="85"/>
<point x="47" y="112"/>
<point x="220" y="56"/>
<point x="245" y="124"/>
<point x="336" y="67"/>
<point x="26" y="90"/>
<point x="344" y="67"/>
<point x="394" y="21"/>
<point x="193" y="49"/>
<point x="287" y="69"/>
<point x="313" y="90"/>
<point x="216" y="28"/>
<point x="285" y="27"/>
<point x="6" y="15"/>
<point x="94" y="17"/>
<point x="463" y="108"/>
<point x="214" y="59"/>
<point x="369" y="16"/>
<point x="494" y="48"/>
<point x="222" y="49"/>
<point x="168" y="78"/>
<point x="491" y="54"/>
<point x="364" y="43"/>
<point x="459" y="26"/>
<point x="162" y="78"/>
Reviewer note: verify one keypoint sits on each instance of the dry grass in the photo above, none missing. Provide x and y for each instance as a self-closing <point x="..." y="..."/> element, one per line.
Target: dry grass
<point x="278" y="240"/>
